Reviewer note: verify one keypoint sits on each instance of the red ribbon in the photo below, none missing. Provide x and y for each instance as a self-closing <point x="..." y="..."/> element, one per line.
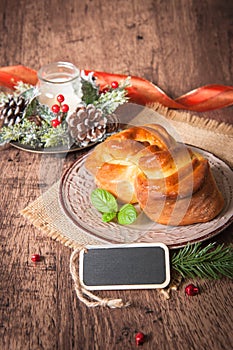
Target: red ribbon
<point x="141" y="91"/>
<point x="9" y="76"/>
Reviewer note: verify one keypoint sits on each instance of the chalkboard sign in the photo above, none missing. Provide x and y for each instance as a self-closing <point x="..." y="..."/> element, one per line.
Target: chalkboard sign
<point x="133" y="266"/>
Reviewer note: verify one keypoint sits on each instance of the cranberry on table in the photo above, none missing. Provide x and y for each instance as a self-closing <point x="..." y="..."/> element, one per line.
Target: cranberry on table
<point x="36" y="257"/>
<point x="191" y="290"/>
<point x="139" y="338"/>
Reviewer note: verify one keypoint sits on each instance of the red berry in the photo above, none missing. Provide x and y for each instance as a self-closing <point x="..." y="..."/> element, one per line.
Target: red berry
<point x="55" y="123"/>
<point x="56" y="109"/>
<point x="191" y="290"/>
<point x="114" y="84"/>
<point x="60" y="98"/>
<point x="35" y="257"/>
<point x="104" y="90"/>
<point x="139" y="338"/>
<point x="64" y="108"/>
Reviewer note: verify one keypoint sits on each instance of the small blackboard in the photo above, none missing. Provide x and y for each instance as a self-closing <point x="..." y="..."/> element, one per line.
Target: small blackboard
<point x="133" y="266"/>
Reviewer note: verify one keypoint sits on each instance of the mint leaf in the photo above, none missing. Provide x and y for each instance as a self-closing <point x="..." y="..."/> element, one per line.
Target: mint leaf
<point x="104" y="201"/>
<point x="127" y="214"/>
<point x="106" y="217"/>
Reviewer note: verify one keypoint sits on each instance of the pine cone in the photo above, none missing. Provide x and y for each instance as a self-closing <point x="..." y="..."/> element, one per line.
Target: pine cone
<point x="88" y="124"/>
<point x="11" y="111"/>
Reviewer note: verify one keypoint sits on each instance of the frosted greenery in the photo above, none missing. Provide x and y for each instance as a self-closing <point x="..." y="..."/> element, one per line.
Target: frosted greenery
<point x="28" y="133"/>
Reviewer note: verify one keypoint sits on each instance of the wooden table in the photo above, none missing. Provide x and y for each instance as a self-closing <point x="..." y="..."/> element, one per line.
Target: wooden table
<point x="179" y="45"/>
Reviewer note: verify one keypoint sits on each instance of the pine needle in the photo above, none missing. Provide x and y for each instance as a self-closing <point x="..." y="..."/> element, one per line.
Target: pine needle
<point x="210" y="261"/>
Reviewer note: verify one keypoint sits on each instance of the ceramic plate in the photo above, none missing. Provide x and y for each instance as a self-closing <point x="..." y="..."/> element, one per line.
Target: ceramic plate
<point x="77" y="185"/>
<point x="49" y="150"/>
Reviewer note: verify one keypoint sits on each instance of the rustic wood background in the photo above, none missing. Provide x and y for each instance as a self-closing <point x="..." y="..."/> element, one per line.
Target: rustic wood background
<point x="177" y="44"/>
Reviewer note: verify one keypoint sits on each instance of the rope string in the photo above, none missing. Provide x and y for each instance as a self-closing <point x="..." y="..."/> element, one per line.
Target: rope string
<point x="82" y="293"/>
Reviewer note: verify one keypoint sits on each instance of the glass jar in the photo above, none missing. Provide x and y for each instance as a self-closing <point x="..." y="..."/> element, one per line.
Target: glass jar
<point x="60" y="78"/>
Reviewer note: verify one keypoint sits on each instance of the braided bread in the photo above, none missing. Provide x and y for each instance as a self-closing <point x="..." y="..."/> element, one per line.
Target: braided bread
<point x="172" y="184"/>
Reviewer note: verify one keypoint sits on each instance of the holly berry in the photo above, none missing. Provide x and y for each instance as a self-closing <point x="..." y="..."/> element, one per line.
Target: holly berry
<point x="191" y="290"/>
<point x="55" y="123"/>
<point x="65" y="108"/>
<point x="60" y="98"/>
<point x="114" y="84"/>
<point x="35" y="258"/>
<point x="56" y="109"/>
<point x="139" y="338"/>
<point x="104" y="90"/>
<point x="59" y="110"/>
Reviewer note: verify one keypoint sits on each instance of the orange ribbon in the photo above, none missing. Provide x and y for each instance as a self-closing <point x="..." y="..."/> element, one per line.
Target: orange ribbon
<point x="141" y="91"/>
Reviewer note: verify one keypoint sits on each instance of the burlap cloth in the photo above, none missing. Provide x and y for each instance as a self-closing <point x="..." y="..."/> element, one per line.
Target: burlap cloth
<point x="47" y="214"/>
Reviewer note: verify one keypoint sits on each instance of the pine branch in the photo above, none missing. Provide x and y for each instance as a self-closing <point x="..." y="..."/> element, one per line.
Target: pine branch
<point x="210" y="261"/>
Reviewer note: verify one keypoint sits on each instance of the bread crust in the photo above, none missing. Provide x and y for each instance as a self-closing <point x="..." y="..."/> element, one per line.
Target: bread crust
<point x="172" y="184"/>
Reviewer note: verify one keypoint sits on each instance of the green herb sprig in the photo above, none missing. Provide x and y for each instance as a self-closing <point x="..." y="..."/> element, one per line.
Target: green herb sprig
<point x="106" y="204"/>
<point x="211" y="261"/>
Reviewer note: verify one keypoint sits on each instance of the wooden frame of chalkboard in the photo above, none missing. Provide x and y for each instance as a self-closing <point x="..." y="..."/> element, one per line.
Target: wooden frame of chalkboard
<point x="124" y="266"/>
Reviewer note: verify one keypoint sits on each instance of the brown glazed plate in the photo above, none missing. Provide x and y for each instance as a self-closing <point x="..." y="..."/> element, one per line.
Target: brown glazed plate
<point x="74" y="195"/>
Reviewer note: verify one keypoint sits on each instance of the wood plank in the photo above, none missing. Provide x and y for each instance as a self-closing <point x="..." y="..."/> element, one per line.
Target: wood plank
<point x="179" y="45"/>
